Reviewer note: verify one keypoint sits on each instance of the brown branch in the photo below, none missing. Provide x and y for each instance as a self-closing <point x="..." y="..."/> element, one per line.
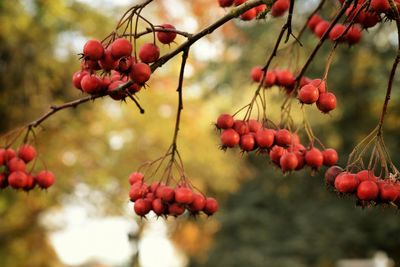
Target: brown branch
<point x="158" y="29"/>
<point x="393" y="70"/>
<point x="289" y="22"/>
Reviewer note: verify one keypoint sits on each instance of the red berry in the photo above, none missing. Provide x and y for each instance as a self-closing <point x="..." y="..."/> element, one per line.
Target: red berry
<point x="241" y="127"/>
<point x="308" y="94"/>
<point x="354" y="35"/>
<point x="261" y="8"/>
<point x="125" y="64"/>
<point x="166" y="37"/>
<point x="45" y="179"/>
<point x="158" y="206"/>
<point x="346" y="182"/>
<point x="314" y="158"/>
<point x="276" y="153"/>
<point x="331" y="174"/>
<point x="17" y="179"/>
<point x="285" y="78"/>
<point x="91" y="84"/>
<point x="320" y="84"/>
<point x="280" y="7"/>
<point x="138" y="190"/>
<point x="140" y="73"/>
<point x="30" y="182"/>
<point x="141" y="207"/>
<point x="256" y="74"/>
<point x="265" y="138"/>
<point x="379" y="6"/>
<point x="249" y="14"/>
<point x="288" y="161"/>
<point x="166" y="193"/>
<point x="93" y="50"/>
<point x="247" y="142"/>
<point x="326" y="102"/>
<point x="370" y="20"/>
<point x="121" y="47"/>
<point x="198" y="204"/>
<point x="114" y="90"/>
<point x="224" y="121"/>
<point x="7" y="154"/>
<point x="108" y="62"/>
<point x="254" y="125"/>
<point x="27" y="153"/>
<point x="176" y="209"/>
<point x="321" y="28"/>
<point x="366" y="175"/>
<point x="388" y="192"/>
<point x="135" y="177"/>
<point x="330" y="157"/>
<point x="283" y="138"/>
<point x="149" y="53"/>
<point x="77" y="78"/>
<point x="300" y="160"/>
<point x="367" y="190"/>
<point x="337" y="32"/>
<point x="16" y="164"/>
<point x="211" y="206"/>
<point x="270" y="79"/>
<point x="225" y="3"/>
<point x="314" y="20"/>
<point x="183" y="195"/>
<point x="230" y="138"/>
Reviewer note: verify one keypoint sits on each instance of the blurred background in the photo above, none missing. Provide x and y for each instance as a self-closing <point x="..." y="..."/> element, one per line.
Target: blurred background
<point x="265" y="218"/>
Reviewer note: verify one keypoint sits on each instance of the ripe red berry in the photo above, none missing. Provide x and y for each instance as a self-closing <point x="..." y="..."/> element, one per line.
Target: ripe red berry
<point x="336" y="32"/>
<point x="388" y="192"/>
<point x="198" y="204"/>
<point x="138" y="190"/>
<point x="276" y="153"/>
<point x="247" y="142"/>
<point x="366" y="175"/>
<point x="249" y="14"/>
<point x="285" y="78"/>
<point x="140" y="73"/>
<point x="254" y="125"/>
<point x="230" y="138"/>
<point x="93" y="50"/>
<point x="141" y="207"/>
<point x="225" y="3"/>
<point x="158" y="206"/>
<point x="260" y="8"/>
<point x="121" y="47"/>
<point x="283" y="138"/>
<point x="91" y="84"/>
<point x="280" y="7"/>
<point x="346" y="182"/>
<point x="265" y="138"/>
<point x="17" y="179"/>
<point x="211" y="206"/>
<point x="300" y="160"/>
<point x="7" y="154"/>
<point x="256" y="74"/>
<point x="354" y="35"/>
<point x="370" y="19"/>
<point x="321" y="28"/>
<point x="224" y="121"/>
<point x="166" y="193"/>
<point x="270" y="79"/>
<point x="326" y="102"/>
<point x="379" y="6"/>
<point x="27" y="153"/>
<point x="320" y="84"/>
<point x="183" y="195"/>
<point x="108" y="62"/>
<point x="125" y="64"/>
<point x="77" y="78"/>
<point x="313" y="22"/>
<point x="241" y="127"/>
<point x="308" y="94"/>
<point x="16" y="164"/>
<point x="30" y="182"/>
<point x="331" y="174"/>
<point x="135" y="177"/>
<point x="314" y="158"/>
<point x="166" y="37"/>
<point x="45" y="179"/>
<point x="367" y="190"/>
<point x="114" y="90"/>
<point x="149" y="53"/>
<point x="176" y="209"/>
<point x="330" y="156"/>
<point x="288" y="161"/>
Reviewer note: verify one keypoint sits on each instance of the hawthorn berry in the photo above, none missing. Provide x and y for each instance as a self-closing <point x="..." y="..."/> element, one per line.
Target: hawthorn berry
<point x="121" y="47"/>
<point x="27" y="153"/>
<point x="230" y="138"/>
<point x="45" y="179"/>
<point x="93" y="50"/>
<point x="140" y="73"/>
<point x="314" y="158"/>
<point x="308" y="94"/>
<point x="367" y="190"/>
<point x="326" y="102"/>
<point x="225" y="121"/>
<point x="149" y="53"/>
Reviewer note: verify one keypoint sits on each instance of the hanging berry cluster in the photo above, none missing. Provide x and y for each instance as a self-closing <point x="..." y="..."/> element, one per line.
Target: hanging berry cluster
<point x="14" y="171"/>
<point x="278" y="9"/>
<point x="166" y="200"/>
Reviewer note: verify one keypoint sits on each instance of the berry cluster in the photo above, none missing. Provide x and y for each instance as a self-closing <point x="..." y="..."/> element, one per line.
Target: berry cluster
<point x="278" y="9"/>
<point x="14" y="172"/>
<point x="282" y="78"/>
<point x="118" y="66"/>
<point x="283" y="147"/>
<point x="365" y="185"/>
<point x="165" y="200"/>
<point x="319" y="26"/>
<point x="315" y="92"/>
